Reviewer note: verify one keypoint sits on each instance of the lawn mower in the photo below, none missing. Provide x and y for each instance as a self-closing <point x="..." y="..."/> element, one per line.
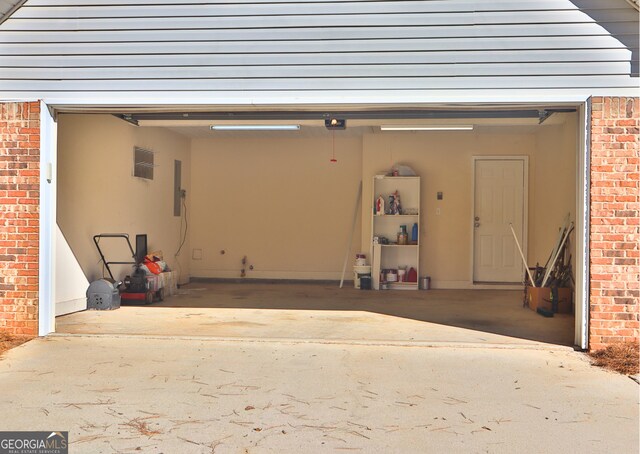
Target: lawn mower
<point x="135" y="287"/>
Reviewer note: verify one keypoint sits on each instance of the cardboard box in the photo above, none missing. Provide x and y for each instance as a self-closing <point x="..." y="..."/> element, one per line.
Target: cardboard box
<point x="170" y="282"/>
<point x="154" y="282"/>
<point x="541" y="297"/>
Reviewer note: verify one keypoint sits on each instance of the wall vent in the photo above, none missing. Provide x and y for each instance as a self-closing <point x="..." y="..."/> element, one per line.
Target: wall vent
<point x="143" y="163"/>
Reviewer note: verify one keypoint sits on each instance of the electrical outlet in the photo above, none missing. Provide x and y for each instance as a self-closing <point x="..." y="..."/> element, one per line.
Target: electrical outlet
<point x="196" y="254"/>
<point x="437" y="211"/>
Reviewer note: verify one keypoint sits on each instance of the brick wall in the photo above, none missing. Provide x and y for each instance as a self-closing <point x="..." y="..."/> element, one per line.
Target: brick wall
<point x="615" y="229"/>
<point x="19" y="208"/>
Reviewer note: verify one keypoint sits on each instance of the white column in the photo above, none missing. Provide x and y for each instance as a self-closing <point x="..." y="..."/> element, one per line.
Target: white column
<point x="48" y="158"/>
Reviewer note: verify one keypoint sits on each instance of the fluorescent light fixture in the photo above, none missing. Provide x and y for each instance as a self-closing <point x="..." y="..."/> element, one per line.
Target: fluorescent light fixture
<point x="426" y="127"/>
<point x="255" y="127"/>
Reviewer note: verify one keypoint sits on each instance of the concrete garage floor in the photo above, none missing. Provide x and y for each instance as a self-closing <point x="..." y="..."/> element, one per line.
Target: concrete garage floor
<point x="326" y="313"/>
<point x="135" y="394"/>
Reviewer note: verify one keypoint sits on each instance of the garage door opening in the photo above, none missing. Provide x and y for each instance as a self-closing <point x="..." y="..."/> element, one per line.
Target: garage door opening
<point x="265" y="219"/>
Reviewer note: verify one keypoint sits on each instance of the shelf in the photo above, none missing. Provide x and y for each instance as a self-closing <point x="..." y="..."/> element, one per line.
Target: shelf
<point x="400" y="285"/>
<point x="393" y="255"/>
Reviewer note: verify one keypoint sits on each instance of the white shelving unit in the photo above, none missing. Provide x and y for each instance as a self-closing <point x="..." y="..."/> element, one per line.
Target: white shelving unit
<point x="393" y="255"/>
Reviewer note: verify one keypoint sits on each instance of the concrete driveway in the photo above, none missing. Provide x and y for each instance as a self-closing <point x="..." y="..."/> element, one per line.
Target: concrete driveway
<point x="145" y="394"/>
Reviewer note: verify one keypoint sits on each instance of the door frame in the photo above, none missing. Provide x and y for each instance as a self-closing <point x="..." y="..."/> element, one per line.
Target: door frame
<point x="525" y="212"/>
<point x="48" y="155"/>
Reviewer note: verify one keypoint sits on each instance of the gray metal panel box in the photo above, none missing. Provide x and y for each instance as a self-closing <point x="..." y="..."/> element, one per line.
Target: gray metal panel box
<point x="103" y="295"/>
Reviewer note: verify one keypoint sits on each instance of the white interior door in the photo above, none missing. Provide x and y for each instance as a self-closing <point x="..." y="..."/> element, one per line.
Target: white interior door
<point x="499" y="201"/>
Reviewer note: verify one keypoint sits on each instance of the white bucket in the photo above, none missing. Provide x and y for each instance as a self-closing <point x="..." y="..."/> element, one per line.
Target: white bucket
<point x="357" y="271"/>
<point x="362" y="269"/>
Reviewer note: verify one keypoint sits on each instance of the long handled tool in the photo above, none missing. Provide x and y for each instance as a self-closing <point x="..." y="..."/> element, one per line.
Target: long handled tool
<point x="353" y="228"/>
<point x="561" y="234"/>
<point x="526" y="267"/>
<point x="555" y="259"/>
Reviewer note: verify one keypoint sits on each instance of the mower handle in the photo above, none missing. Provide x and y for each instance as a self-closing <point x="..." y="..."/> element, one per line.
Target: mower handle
<point x="96" y="241"/>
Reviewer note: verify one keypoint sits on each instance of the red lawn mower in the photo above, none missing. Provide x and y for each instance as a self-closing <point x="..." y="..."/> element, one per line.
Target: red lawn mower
<point x="135" y="287"/>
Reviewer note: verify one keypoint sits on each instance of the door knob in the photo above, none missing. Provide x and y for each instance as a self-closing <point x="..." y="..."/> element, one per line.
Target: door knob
<point x="476" y="224"/>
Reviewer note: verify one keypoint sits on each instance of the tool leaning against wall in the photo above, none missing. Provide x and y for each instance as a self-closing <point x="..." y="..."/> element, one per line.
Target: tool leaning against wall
<point x="553" y="282"/>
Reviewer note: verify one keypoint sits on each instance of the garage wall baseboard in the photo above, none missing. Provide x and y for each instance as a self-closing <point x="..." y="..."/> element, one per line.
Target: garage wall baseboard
<point x="441" y="285"/>
<point x="75" y="305"/>
<point x="467" y="285"/>
<point x="276" y="275"/>
<point x="252" y="280"/>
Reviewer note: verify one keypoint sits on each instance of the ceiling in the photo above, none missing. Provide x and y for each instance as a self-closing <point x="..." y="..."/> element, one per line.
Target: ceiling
<point x="200" y="129"/>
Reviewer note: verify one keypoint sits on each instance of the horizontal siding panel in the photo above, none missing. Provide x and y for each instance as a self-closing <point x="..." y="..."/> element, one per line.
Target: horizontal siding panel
<point x="260" y="46"/>
<point x="194" y="2"/>
<point x="327" y="33"/>
<point x="248" y="9"/>
<point x="337" y="5"/>
<point x="315" y="84"/>
<point x="124" y="61"/>
<point x="318" y="20"/>
<point x="504" y="4"/>
<point x="347" y="71"/>
<point x="257" y="47"/>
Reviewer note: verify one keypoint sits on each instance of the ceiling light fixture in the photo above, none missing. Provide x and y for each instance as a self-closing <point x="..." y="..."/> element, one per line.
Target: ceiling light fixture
<point x="426" y="127"/>
<point x="255" y="127"/>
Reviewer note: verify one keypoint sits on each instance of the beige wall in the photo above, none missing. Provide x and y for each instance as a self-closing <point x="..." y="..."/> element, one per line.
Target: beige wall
<point x="277" y="200"/>
<point x="444" y="161"/>
<point x="554" y="180"/>
<point x="97" y="192"/>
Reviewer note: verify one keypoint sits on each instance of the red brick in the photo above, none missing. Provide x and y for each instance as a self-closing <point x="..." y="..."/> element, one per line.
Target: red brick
<point x="614" y="274"/>
<point x="19" y="183"/>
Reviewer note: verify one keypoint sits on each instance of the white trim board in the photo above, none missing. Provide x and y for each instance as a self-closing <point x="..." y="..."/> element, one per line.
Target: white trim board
<point x="583" y="225"/>
<point x="68" y="307"/>
<point x="466" y="285"/>
<point x="219" y="100"/>
<point x="47" y="220"/>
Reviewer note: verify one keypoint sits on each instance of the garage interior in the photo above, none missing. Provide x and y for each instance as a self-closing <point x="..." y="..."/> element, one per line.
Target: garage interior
<point x="266" y="219"/>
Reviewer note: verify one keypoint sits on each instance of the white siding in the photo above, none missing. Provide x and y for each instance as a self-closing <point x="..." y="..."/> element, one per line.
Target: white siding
<point x="266" y="52"/>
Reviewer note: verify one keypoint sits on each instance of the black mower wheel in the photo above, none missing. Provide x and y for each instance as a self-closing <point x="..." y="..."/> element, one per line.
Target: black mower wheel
<point x="148" y="298"/>
<point x="160" y="294"/>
